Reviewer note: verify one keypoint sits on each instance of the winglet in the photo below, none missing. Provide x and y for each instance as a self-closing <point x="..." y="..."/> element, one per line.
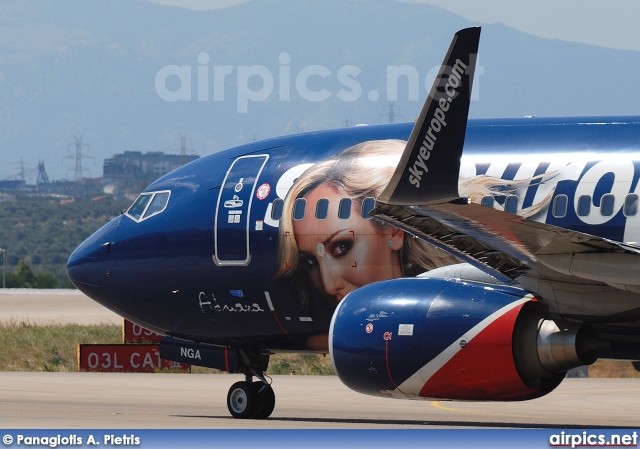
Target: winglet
<point x="428" y="170"/>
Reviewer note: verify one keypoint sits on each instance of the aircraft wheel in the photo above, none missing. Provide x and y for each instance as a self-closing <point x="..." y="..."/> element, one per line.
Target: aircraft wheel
<point x="265" y="400"/>
<point x="241" y="400"/>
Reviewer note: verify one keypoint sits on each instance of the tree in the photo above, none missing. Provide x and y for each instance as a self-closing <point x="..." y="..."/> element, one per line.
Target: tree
<point x="24" y="273"/>
<point x="24" y="277"/>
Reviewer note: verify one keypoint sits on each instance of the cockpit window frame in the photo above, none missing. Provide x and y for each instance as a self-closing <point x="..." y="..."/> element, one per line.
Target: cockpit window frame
<point x="143" y="215"/>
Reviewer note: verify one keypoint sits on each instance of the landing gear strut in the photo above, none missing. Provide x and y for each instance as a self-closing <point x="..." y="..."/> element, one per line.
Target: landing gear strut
<point x="248" y="399"/>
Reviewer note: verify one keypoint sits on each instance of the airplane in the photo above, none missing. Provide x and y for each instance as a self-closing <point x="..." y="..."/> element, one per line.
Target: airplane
<point x="443" y="259"/>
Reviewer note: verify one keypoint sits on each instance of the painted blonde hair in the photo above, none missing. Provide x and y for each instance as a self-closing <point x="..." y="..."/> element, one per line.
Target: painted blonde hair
<point x="359" y="172"/>
<point x="477" y="187"/>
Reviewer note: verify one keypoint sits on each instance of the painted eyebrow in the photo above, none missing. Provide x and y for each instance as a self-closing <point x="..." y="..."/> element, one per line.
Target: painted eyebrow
<point x="332" y="236"/>
<point x="324" y="242"/>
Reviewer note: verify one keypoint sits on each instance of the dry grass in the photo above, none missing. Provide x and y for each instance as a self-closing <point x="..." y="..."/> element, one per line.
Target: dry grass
<point x="613" y="369"/>
<point x="29" y="347"/>
<point x="306" y="364"/>
<point x="298" y="364"/>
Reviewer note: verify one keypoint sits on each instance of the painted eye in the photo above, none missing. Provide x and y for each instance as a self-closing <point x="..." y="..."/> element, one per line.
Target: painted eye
<point x="340" y="248"/>
<point x="309" y="261"/>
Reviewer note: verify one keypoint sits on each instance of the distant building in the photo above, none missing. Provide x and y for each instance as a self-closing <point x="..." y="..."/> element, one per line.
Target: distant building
<point x="136" y="165"/>
<point x="13" y="185"/>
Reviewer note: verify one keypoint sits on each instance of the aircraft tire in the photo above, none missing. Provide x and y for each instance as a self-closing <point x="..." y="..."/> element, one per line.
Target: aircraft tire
<point x="241" y="400"/>
<point x="265" y="401"/>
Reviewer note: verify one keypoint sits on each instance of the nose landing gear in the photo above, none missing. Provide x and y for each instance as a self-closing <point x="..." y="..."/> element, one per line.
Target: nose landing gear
<point x="248" y="399"/>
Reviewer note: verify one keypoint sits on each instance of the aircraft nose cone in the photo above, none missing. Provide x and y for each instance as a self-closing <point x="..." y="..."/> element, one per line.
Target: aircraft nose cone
<point x="82" y="269"/>
<point x="83" y="264"/>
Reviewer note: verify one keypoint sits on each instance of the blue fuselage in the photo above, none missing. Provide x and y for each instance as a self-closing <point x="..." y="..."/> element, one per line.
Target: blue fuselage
<point x="203" y="269"/>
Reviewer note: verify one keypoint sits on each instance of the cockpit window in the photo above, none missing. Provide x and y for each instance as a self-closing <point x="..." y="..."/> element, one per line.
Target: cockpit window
<point x="137" y="209"/>
<point x="149" y="204"/>
<point x="158" y="204"/>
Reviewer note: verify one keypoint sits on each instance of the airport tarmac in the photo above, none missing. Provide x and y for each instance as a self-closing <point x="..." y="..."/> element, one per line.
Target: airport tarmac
<point x="105" y="400"/>
<point x="102" y="400"/>
<point x="53" y="307"/>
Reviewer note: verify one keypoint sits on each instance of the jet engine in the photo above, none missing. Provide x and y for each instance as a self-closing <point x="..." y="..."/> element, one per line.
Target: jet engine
<point x="453" y="339"/>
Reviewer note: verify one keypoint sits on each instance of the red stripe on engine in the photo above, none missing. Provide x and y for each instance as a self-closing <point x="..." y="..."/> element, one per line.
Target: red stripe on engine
<point x="484" y="369"/>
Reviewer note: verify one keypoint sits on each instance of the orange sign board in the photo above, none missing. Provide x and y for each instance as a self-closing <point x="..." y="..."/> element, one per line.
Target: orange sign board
<point x="131" y="358"/>
<point x="134" y="333"/>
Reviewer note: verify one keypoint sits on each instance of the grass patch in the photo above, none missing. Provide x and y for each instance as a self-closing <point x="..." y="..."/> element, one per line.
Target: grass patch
<point x="28" y="347"/>
<point x="305" y="364"/>
<point x="613" y="369"/>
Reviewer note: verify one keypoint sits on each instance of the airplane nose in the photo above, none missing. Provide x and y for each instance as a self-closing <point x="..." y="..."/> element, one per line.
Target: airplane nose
<point x="82" y="266"/>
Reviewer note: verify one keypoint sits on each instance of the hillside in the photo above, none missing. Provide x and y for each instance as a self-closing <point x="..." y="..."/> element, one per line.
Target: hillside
<point x="44" y="231"/>
<point x="94" y="69"/>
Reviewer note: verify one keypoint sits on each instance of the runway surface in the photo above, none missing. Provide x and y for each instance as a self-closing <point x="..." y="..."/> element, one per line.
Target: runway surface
<point x="99" y="400"/>
<point x="52" y="307"/>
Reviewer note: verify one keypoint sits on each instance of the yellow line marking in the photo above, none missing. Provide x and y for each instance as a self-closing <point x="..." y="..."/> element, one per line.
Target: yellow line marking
<point x="438" y="404"/>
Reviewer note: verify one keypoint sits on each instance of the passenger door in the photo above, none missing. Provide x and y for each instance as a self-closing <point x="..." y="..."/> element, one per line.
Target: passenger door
<point x="231" y="233"/>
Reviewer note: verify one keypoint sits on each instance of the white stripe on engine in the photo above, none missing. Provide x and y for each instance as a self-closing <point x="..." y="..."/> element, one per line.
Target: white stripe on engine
<point x="412" y="386"/>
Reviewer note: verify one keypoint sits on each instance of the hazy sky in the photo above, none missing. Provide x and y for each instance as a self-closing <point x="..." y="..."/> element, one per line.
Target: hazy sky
<point x="612" y="23"/>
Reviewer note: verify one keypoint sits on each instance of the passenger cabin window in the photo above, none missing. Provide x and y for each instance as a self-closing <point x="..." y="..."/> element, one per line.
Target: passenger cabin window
<point x="344" y="208"/>
<point x="367" y="206"/>
<point x="277" y="208"/>
<point x="299" y="208"/>
<point x="584" y="205"/>
<point x="560" y="203"/>
<point x="630" y="205"/>
<point x="322" y="208"/>
<point x="148" y="204"/>
<point x="511" y="204"/>
<point x="606" y="205"/>
<point x="487" y="201"/>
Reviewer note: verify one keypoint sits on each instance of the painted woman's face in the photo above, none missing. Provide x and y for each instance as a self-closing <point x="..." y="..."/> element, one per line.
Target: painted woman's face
<point x="344" y="254"/>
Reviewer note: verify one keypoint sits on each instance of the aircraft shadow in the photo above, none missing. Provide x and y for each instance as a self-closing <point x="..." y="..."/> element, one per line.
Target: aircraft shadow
<point x="419" y="422"/>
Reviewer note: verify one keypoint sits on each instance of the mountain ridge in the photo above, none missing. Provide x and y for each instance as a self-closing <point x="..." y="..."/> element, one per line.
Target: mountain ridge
<point x="68" y="69"/>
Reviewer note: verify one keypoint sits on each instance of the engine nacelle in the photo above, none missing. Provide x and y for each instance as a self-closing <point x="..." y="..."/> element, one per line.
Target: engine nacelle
<point x="453" y="339"/>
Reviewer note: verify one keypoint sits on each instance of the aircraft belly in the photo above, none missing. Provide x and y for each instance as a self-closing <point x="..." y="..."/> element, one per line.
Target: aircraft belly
<point x="584" y="300"/>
